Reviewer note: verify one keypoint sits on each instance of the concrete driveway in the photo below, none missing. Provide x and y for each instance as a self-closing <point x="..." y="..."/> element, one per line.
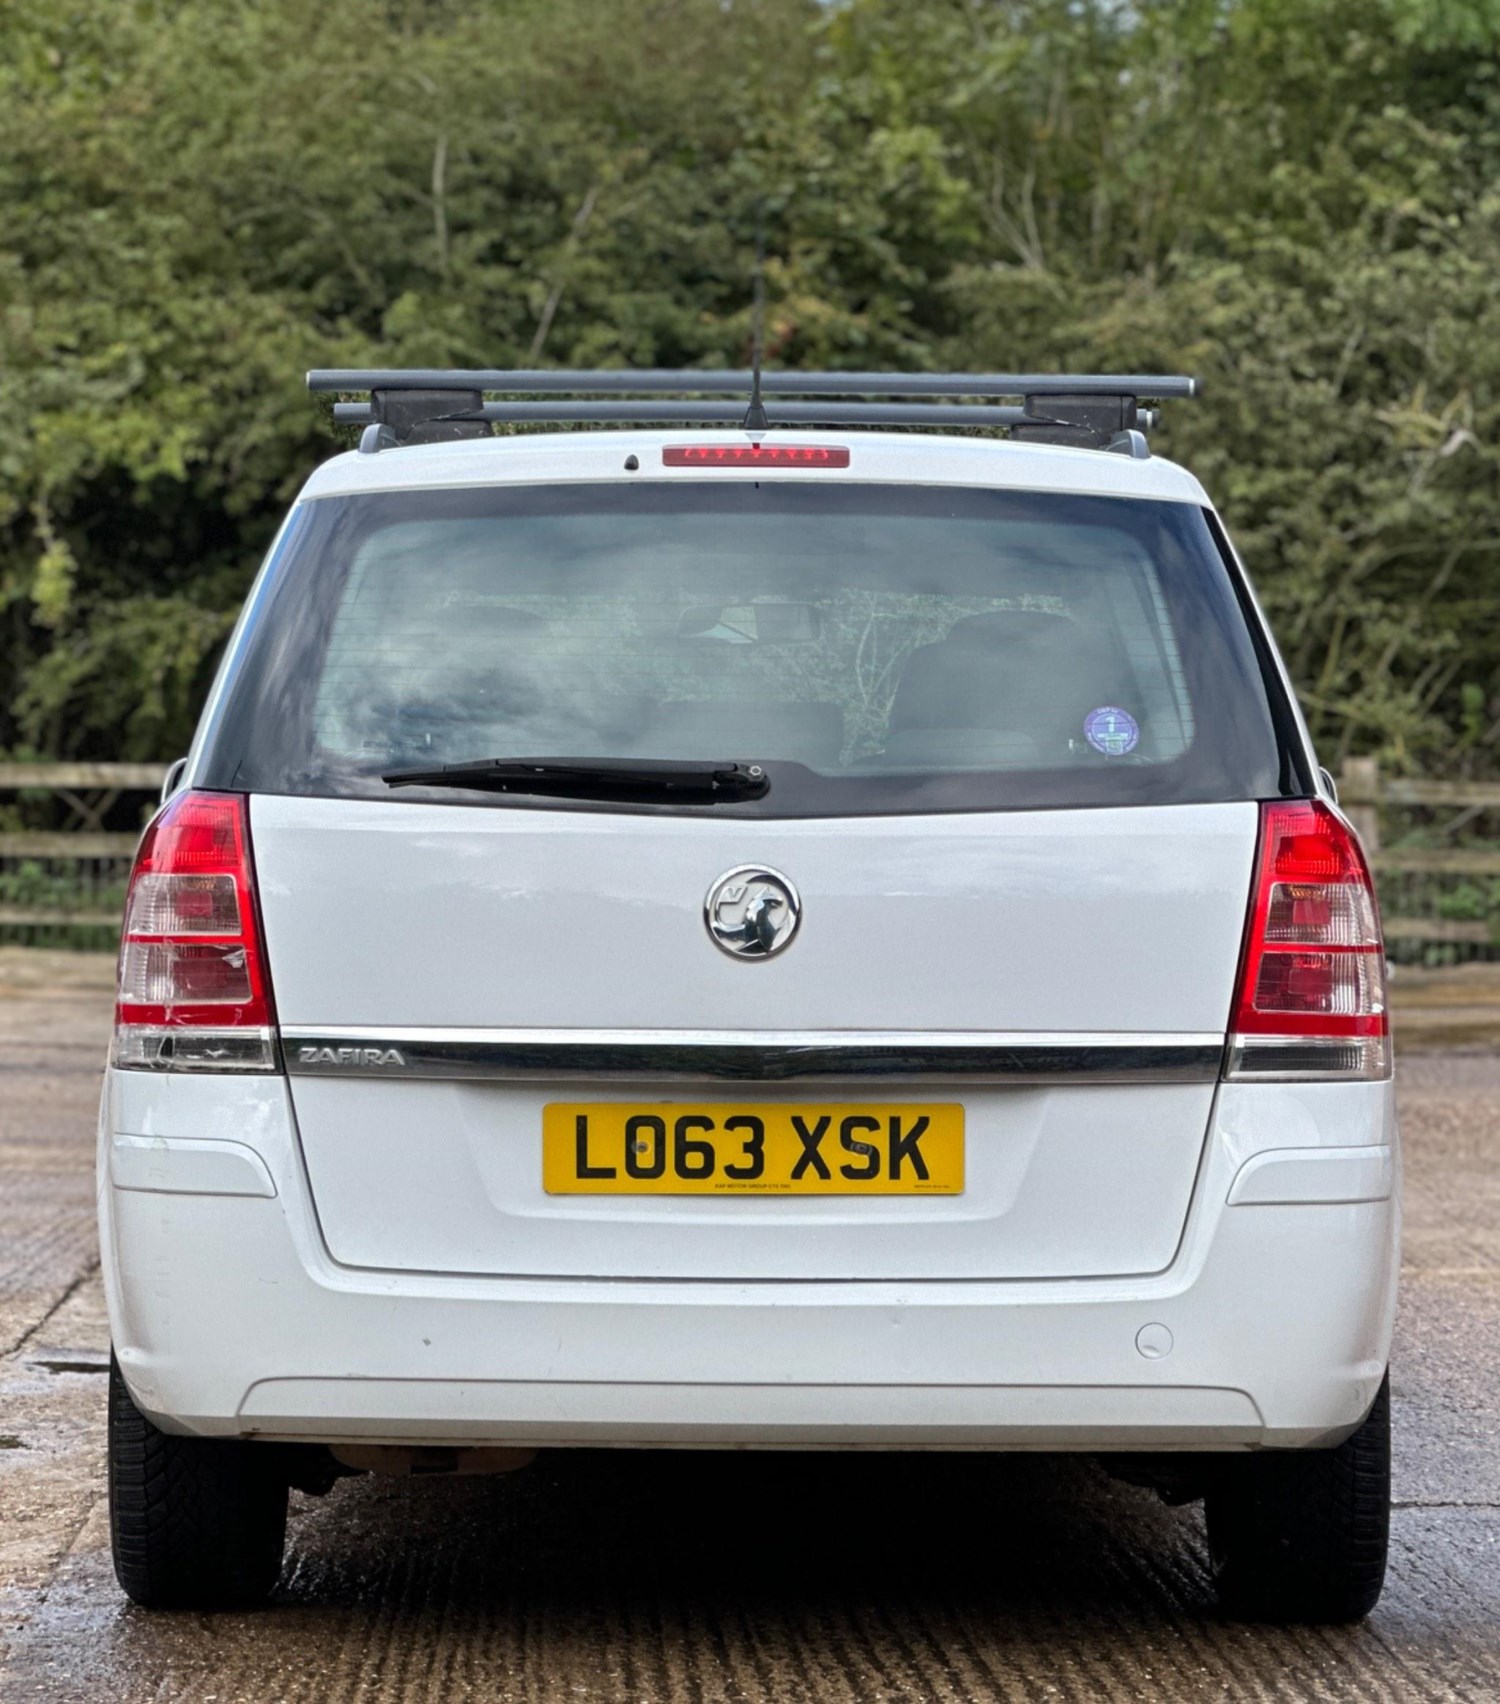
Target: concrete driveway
<point x="639" y="1577"/>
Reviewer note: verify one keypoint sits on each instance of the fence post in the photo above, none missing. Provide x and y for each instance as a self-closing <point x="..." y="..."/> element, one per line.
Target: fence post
<point x="1359" y="790"/>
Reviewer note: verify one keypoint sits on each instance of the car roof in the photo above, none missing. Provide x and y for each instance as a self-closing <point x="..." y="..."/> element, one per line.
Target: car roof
<point x="875" y="458"/>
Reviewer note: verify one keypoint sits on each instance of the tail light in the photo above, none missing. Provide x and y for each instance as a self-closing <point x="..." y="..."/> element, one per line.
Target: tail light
<point x="194" y="994"/>
<point x="1311" y="1000"/>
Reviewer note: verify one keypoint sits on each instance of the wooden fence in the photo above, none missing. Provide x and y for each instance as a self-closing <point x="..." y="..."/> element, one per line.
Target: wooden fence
<point x="90" y="790"/>
<point x="1369" y="798"/>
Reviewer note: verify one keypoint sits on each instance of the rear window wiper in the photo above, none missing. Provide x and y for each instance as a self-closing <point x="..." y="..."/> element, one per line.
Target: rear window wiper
<point x="628" y="780"/>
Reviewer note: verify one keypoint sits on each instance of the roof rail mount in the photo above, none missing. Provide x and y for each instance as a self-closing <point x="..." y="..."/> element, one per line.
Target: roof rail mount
<point x="430" y="416"/>
<point x="1096" y="411"/>
<point x="1087" y="422"/>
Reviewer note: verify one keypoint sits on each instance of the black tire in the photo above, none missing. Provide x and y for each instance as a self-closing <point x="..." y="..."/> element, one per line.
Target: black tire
<point x="194" y="1523"/>
<point x="1302" y="1535"/>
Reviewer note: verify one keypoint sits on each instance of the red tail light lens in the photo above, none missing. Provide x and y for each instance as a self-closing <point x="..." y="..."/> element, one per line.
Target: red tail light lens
<point x="1311" y="1001"/>
<point x="754" y="455"/>
<point x="193" y="992"/>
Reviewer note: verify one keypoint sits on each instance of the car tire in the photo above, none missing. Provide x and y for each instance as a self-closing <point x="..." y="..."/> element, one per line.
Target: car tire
<point x="194" y="1523"/>
<point x="1302" y="1535"/>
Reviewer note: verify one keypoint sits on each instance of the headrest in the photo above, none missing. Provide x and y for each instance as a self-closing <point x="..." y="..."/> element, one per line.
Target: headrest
<point x="800" y="730"/>
<point x="1005" y="626"/>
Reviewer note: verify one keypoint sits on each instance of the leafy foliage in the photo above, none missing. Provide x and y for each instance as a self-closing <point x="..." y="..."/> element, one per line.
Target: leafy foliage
<point x="1293" y="197"/>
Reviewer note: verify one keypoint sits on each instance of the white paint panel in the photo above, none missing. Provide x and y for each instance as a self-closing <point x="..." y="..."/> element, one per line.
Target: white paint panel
<point x="884" y="457"/>
<point x="1287" y="1176"/>
<point x="402" y="914"/>
<point x="446" y="1177"/>
<point x="1054" y="923"/>
<point x="183" y="1166"/>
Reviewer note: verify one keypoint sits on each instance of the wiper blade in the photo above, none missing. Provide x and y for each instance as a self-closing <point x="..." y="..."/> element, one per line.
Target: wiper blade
<point x="625" y="779"/>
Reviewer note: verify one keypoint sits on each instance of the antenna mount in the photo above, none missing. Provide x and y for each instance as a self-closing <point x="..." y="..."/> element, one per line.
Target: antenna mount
<point x="755" y="415"/>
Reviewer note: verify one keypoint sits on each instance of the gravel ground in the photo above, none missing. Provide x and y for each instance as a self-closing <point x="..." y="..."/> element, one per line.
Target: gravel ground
<point x="641" y="1577"/>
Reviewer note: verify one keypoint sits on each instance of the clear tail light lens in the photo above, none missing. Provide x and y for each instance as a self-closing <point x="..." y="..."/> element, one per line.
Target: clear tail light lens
<point x="194" y="994"/>
<point x="1311" y="1002"/>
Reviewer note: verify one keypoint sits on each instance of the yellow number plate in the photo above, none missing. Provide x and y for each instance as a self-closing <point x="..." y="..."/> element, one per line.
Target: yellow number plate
<point x="739" y="1148"/>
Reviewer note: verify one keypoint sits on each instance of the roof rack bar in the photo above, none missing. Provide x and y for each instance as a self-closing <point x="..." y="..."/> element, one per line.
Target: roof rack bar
<point x="728" y="413"/>
<point x="721" y="382"/>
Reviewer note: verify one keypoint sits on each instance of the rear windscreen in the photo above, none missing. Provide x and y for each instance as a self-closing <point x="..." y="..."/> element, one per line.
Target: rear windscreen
<point x="876" y="648"/>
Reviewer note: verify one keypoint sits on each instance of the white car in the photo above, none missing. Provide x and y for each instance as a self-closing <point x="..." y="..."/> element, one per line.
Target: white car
<point x="799" y="937"/>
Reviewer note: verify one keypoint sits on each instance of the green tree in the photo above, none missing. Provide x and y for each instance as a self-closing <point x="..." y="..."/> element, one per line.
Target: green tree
<point x="1293" y="197"/>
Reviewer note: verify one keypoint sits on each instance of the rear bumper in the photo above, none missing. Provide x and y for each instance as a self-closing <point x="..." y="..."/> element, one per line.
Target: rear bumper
<point x="1270" y="1328"/>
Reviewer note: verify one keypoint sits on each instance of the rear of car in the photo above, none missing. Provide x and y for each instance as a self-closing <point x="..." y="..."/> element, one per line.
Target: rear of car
<point x="669" y="948"/>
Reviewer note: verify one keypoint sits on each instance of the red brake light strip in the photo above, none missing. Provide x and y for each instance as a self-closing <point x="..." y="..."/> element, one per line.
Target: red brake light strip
<point x="755" y="455"/>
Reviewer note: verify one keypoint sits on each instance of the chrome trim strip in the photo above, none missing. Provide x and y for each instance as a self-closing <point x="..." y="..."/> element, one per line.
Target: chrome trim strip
<point x="743" y="1056"/>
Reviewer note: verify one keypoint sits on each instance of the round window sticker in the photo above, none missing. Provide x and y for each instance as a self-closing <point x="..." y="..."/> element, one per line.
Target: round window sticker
<point x="1112" y="730"/>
